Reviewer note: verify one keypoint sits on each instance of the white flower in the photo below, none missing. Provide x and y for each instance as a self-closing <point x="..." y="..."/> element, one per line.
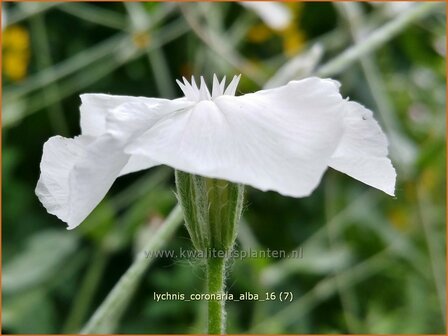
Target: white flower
<point x="280" y="139"/>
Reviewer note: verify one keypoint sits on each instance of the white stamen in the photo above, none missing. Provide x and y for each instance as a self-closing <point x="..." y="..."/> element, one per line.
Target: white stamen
<point x="193" y="84"/>
<point x="231" y="89"/>
<point x="194" y="93"/>
<point x="222" y="85"/>
<point x="182" y="87"/>
<point x="204" y="92"/>
<point x="215" y="88"/>
<point x="189" y="91"/>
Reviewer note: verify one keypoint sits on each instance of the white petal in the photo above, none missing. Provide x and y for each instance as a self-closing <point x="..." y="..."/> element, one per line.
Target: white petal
<point x="275" y="15"/>
<point x="137" y="163"/>
<point x="123" y="117"/>
<point x="76" y="174"/>
<point x="279" y="139"/>
<point x="130" y="120"/>
<point x="95" y="108"/>
<point x="362" y="152"/>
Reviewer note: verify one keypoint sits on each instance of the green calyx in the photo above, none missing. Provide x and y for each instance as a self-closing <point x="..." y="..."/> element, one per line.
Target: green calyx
<point x="212" y="210"/>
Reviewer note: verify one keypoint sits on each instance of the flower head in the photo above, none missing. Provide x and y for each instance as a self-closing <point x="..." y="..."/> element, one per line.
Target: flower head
<point x="280" y="139"/>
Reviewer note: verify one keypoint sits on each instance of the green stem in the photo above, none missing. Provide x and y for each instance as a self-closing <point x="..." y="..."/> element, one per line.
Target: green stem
<point x="212" y="210"/>
<point x="216" y="285"/>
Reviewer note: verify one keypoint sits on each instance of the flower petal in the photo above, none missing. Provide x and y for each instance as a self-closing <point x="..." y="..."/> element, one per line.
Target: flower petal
<point x="95" y="108"/>
<point x="362" y="152"/>
<point x="123" y="117"/>
<point x="128" y="121"/>
<point x="77" y="173"/>
<point x="137" y="163"/>
<point x="279" y="139"/>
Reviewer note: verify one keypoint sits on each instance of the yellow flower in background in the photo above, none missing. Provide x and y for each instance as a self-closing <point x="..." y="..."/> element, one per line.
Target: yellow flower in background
<point x="401" y="219"/>
<point x="293" y="38"/>
<point x="259" y="33"/>
<point x="141" y="39"/>
<point x="16" y="52"/>
<point x="430" y="179"/>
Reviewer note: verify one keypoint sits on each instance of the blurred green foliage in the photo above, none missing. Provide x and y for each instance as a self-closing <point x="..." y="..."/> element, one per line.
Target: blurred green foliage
<point x="371" y="264"/>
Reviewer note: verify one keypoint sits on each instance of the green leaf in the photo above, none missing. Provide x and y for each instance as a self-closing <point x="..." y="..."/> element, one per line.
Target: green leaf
<point x="42" y="258"/>
<point x="30" y="312"/>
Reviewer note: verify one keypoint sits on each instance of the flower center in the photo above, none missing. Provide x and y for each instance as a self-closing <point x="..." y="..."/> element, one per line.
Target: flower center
<point x="194" y="93"/>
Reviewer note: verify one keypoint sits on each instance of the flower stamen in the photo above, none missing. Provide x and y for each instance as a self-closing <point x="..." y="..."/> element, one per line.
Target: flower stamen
<point x="194" y="93"/>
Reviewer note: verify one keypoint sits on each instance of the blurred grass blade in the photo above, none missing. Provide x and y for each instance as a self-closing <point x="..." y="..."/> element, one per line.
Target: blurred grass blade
<point x="95" y="14"/>
<point x="378" y="38"/>
<point x="319" y="261"/>
<point x="220" y="46"/>
<point x="97" y="53"/>
<point x="126" y="52"/>
<point x="105" y="318"/>
<point x="27" y="10"/>
<point x="141" y="187"/>
<point x="66" y="68"/>
<point x="298" y="67"/>
<point x="87" y="291"/>
<point x="435" y="250"/>
<point x="38" y="262"/>
<point x="349" y="300"/>
<point x="140" y="19"/>
<point x="322" y="291"/>
<point x="43" y="60"/>
<point x="401" y="147"/>
<point x="275" y="273"/>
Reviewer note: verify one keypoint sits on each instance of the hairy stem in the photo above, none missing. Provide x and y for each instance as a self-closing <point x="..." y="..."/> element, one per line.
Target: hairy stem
<point x="216" y="285"/>
<point x="212" y="210"/>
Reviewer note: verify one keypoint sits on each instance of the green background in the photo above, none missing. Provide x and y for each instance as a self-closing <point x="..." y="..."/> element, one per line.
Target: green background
<point x="371" y="263"/>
